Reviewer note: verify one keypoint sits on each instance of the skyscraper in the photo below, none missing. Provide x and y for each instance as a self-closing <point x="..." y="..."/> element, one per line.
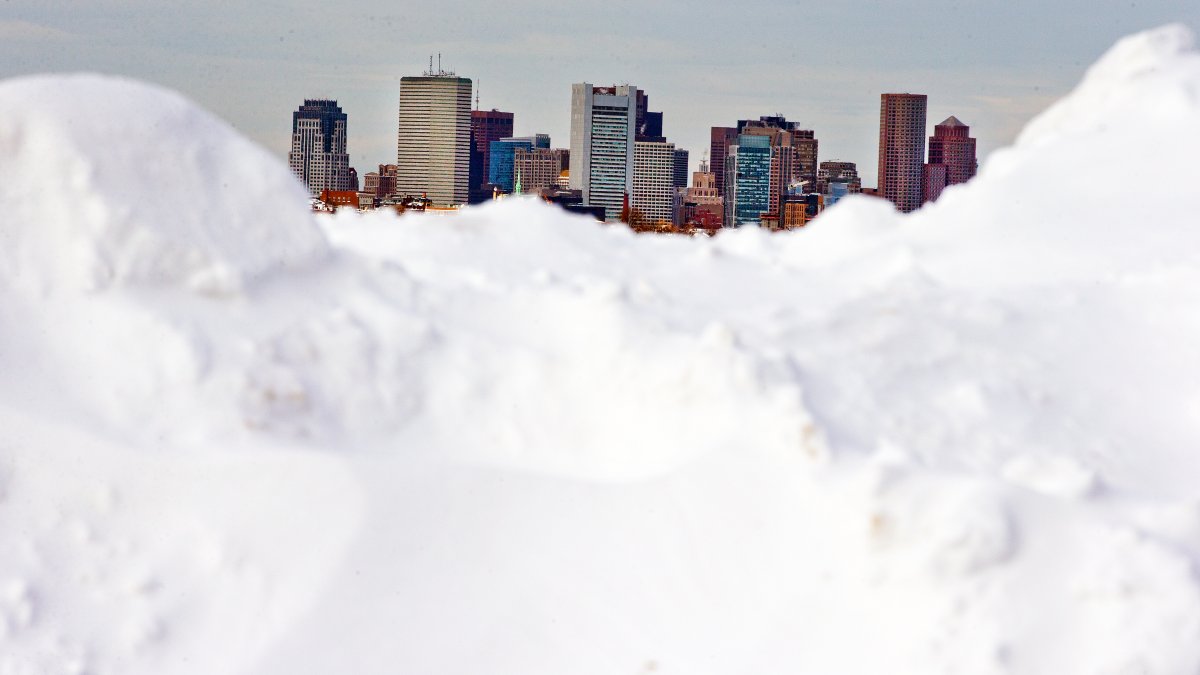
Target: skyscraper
<point x="318" y="156"/>
<point x="603" y="129"/>
<point x="720" y="139"/>
<point x="952" y="148"/>
<point x="653" y="180"/>
<point x="747" y="180"/>
<point x="902" y="149"/>
<point x="486" y="126"/>
<point x="681" y="168"/>
<point x="433" y="146"/>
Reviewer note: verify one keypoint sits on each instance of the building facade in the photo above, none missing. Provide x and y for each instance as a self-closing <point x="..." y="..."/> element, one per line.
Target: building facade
<point x="433" y="145"/>
<point x="952" y="148"/>
<point x="654" y="180"/>
<point x="486" y="126"/>
<point x="603" y="132"/>
<point x="720" y="138"/>
<point x="747" y="180"/>
<point x="318" y="156"/>
<point x="681" y="168"/>
<point x="540" y="168"/>
<point x="902" y="149"/>
<point x="501" y="171"/>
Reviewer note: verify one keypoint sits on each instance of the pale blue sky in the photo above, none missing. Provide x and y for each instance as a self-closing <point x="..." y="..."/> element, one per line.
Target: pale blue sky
<point x="992" y="64"/>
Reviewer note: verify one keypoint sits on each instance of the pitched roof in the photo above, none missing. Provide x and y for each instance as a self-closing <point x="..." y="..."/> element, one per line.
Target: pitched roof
<point x="951" y="121"/>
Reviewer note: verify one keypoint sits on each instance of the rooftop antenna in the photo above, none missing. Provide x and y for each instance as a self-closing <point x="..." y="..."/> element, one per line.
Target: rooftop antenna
<point x="439" y="63"/>
<point x="430" y="65"/>
<point x="477" y="94"/>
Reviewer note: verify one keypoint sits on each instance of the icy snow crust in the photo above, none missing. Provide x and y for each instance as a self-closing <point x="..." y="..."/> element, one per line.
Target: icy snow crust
<point x="240" y="440"/>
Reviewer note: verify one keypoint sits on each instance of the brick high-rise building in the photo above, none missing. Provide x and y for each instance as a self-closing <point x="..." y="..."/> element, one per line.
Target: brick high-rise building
<point x="951" y="147"/>
<point x="720" y="138"/>
<point x="902" y="149"/>
<point x="486" y="126"/>
<point x="433" y="141"/>
<point x="318" y="156"/>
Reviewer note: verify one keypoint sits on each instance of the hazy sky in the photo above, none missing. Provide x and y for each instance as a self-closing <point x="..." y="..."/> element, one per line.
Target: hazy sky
<point x="992" y="64"/>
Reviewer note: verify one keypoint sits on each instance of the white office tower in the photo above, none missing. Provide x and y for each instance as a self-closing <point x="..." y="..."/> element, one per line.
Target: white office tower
<point x="318" y="156"/>
<point x="433" y="143"/>
<point x="654" y="180"/>
<point x="603" y="128"/>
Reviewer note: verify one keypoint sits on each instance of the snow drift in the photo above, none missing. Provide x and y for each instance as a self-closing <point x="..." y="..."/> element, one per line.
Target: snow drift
<point x="240" y="440"/>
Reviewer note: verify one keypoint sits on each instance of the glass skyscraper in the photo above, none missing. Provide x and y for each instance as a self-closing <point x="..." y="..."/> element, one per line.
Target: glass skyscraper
<point x="747" y="180"/>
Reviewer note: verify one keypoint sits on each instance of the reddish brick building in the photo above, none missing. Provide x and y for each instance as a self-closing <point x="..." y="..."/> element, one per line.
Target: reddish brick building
<point x="902" y="149"/>
<point x="951" y="157"/>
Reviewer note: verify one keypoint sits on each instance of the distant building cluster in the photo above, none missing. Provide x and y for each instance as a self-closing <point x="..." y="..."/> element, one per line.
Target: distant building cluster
<point x="619" y="165"/>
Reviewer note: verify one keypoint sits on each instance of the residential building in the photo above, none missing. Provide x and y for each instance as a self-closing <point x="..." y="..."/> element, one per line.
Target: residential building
<point x="433" y="146"/>
<point x="603" y="132"/>
<point x="318" y="156"/>
<point x="654" y="180"/>
<point x="902" y="149"/>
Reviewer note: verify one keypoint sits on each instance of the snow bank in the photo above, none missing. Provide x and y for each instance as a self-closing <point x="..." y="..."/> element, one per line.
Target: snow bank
<point x="514" y="441"/>
<point x="106" y="181"/>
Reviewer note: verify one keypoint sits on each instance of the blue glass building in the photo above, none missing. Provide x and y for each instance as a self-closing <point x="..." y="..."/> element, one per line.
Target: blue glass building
<point x="501" y="154"/>
<point x="747" y="180"/>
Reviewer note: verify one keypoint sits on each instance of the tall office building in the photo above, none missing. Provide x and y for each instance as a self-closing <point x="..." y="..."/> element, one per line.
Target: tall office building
<point x="804" y="158"/>
<point x="654" y="180"/>
<point x="486" y="126"/>
<point x="747" y="180"/>
<point x="433" y="146"/>
<point x="951" y="157"/>
<point x="720" y="138"/>
<point x="318" y="156"/>
<point x="603" y="131"/>
<point x="681" y="168"/>
<point x="902" y="149"/>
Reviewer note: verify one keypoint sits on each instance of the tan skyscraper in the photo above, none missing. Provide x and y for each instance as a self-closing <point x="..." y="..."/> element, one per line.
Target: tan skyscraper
<point x="902" y="149"/>
<point x="433" y="145"/>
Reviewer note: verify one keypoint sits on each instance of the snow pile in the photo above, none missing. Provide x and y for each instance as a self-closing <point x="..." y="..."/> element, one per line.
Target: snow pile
<point x="514" y="441"/>
<point x="108" y="181"/>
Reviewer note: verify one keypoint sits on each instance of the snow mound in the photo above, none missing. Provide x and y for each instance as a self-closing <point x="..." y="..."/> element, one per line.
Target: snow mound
<point x="511" y="440"/>
<point x="109" y="182"/>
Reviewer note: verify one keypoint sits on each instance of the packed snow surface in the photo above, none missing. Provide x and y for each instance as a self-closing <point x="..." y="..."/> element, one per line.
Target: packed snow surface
<point x="242" y="438"/>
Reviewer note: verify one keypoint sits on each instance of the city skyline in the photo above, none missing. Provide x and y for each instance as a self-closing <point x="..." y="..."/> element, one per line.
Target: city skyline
<point x="991" y="66"/>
